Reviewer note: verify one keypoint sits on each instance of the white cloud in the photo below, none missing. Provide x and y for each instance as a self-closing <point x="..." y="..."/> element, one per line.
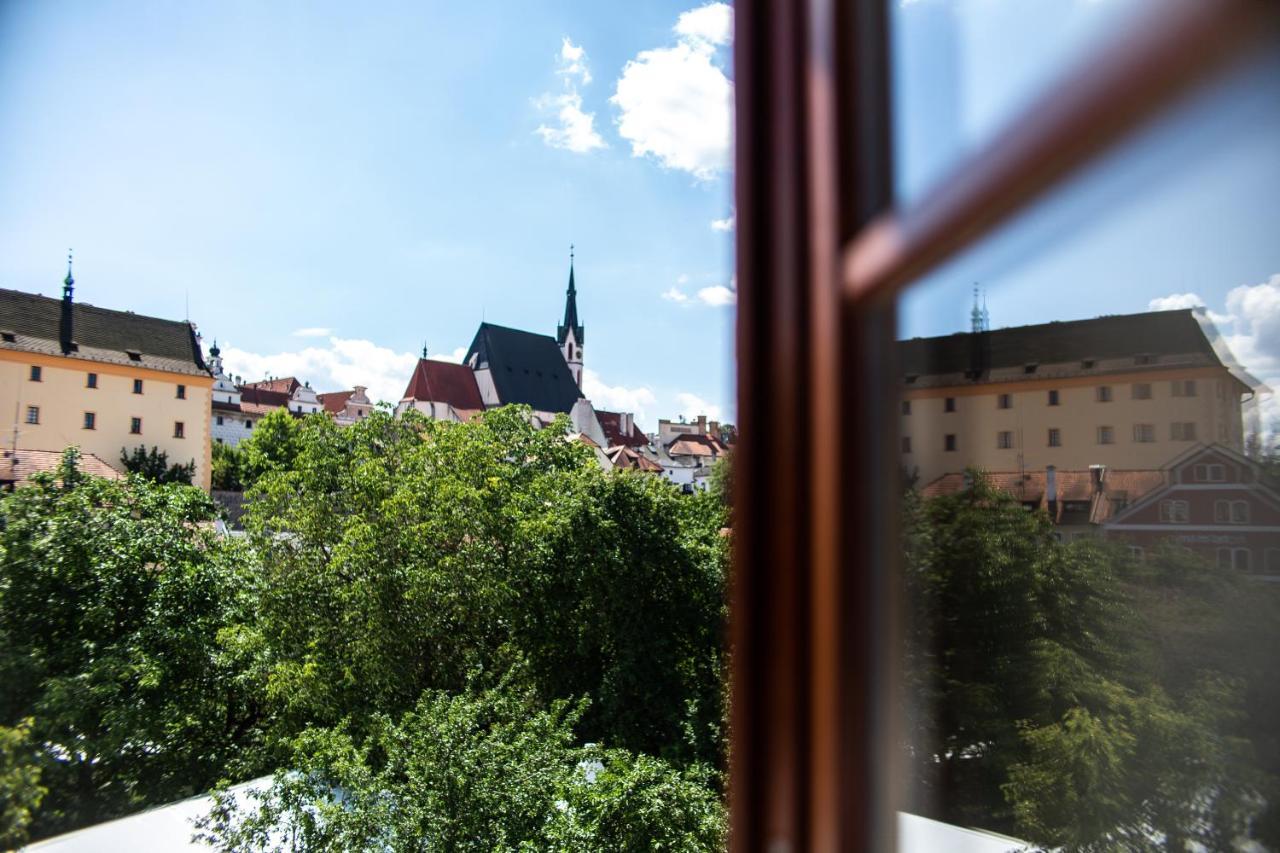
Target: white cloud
<point x="725" y="224"/>
<point x="574" y="128"/>
<point x="694" y="405"/>
<point x="1180" y="301"/>
<point x="711" y="23"/>
<point x="675" y="294"/>
<point x="675" y="103"/>
<point x="718" y="294"/>
<point x="573" y="61"/>
<point x="455" y="357"/>
<point x="343" y="364"/>
<point x="576" y="131"/>
<point x="311" y="332"/>
<point x="617" y="398"/>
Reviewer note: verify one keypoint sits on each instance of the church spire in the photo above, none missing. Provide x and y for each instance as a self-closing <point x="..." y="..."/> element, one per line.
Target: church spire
<point x="571" y="323"/>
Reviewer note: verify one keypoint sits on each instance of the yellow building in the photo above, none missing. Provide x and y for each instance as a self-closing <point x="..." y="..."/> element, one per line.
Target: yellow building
<point x="1128" y="392"/>
<point x="100" y="379"/>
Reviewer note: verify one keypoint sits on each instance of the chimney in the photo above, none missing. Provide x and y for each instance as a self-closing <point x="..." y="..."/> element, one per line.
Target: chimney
<point x="1051" y="491"/>
<point x="1097" y="473"/>
<point x="66" y="331"/>
<point x="702" y="424"/>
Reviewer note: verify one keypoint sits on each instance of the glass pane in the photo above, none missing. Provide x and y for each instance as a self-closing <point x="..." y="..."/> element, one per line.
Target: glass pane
<point x="962" y="69"/>
<point x="1092" y="499"/>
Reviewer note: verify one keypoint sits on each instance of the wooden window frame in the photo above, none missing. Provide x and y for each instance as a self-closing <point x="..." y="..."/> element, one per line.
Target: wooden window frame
<point x="821" y="255"/>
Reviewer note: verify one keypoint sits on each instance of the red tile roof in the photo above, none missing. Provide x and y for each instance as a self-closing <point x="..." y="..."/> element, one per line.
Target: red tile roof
<point x="286" y="385"/>
<point x="261" y="401"/>
<point x="1119" y="487"/>
<point x="444" y="382"/>
<point x="335" y="402"/>
<point x="19" y="468"/>
<point x="695" y="445"/>
<point x="625" y="457"/>
<point x="611" y="423"/>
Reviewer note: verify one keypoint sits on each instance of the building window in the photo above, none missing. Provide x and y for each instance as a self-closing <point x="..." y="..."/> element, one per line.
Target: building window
<point x="949" y="442"/>
<point x="906" y="444"/>
<point x="949" y="405"/>
<point x="1231" y="512"/>
<point x="1004" y="440"/>
<point x="248" y="424"/>
<point x="90" y="420"/>
<point x="1182" y="431"/>
<point x="1104" y="393"/>
<point x="1144" y="433"/>
<point x="1273" y="561"/>
<point x="1183" y="387"/>
<point x="218" y="420"/>
<point x="33" y="414"/>
<point x="1142" y="390"/>
<point x="135" y="426"/>
<point x="1053" y="398"/>
<point x="1136" y="552"/>
<point x="91" y="380"/>
<point x="182" y="392"/>
<point x="1234" y="558"/>
<point x="1087" y="364"/>
<point x="36" y="372"/>
<point x="1209" y="473"/>
<point x="1174" y="512"/>
<point x="906" y="407"/>
<point x="179" y="429"/>
<point x="1106" y="435"/>
<point x="1055" y="437"/>
<point x="137" y="386"/>
<point x="1004" y="401"/>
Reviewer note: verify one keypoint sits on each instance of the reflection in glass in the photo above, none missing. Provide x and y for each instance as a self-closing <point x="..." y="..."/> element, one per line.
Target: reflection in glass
<point x="1091" y="509"/>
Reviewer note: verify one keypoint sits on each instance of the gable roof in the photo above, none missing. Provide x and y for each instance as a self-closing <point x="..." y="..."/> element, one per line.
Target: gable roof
<point x="1183" y="334"/>
<point x="18" y="466"/>
<point x="282" y="384"/>
<point x="611" y="425"/>
<point x="444" y="382"/>
<point x="100" y="334"/>
<point x="525" y="368"/>
<point x="334" y="402"/>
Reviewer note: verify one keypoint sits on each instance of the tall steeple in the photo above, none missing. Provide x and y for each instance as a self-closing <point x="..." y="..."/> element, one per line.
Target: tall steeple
<point x="66" y="325"/>
<point x="570" y="334"/>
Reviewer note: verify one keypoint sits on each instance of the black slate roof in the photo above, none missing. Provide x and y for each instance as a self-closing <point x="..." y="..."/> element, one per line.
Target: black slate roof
<point x="1156" y="333"/>
<point x="526" y="368"/>
<point x="100" y="334"/>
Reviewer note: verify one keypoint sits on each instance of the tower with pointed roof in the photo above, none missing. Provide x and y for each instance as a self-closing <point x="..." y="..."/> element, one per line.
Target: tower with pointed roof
<point x="569" y="334"/>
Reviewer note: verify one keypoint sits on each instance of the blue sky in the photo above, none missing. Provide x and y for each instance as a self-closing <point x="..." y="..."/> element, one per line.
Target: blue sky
<point x="374" y="174"/>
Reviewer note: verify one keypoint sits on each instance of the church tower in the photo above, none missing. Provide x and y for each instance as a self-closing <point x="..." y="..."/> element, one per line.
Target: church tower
<point x="569" y="334"/>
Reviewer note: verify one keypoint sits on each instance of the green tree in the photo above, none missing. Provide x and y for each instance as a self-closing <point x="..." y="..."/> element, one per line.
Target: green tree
<point x="272" y="448"/>
<point x="20" y="788"/>
<point x="402" y="554"/>
<point x="493" y="770"/>
<point x="229" y="468"/>
<point x="1046" y="693"/>
<point x="154" y="465"/>
<point x="112" y="599"/>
